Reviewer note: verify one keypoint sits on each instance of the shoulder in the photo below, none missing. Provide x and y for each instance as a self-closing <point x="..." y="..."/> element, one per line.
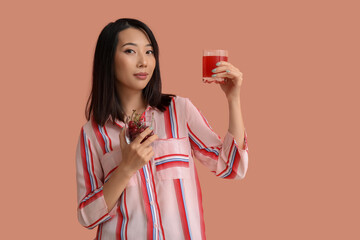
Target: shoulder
<point x="88" y="128"/>
<point x="180" y="101"/>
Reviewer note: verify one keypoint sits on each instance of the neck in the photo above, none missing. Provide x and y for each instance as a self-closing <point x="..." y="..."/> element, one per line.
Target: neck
<point x="132" y="101"/>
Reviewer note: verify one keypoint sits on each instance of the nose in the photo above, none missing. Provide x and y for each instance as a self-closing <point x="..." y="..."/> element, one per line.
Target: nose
<point x="142" y="62"/>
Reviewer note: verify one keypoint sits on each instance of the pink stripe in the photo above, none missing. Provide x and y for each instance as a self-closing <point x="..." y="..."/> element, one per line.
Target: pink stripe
<point x="147" y="206"/>
<point x="157" y="204"/>
<point x="92" y="165"/>
<point x="201" y="211"/>
<point x="206" y="122"/>
<point x="100" y="219"/>
<point x="84" y="163"/>
<point x="181" y="207"/>
<point x="90" y="200"/>
<point x="202" y="151"/>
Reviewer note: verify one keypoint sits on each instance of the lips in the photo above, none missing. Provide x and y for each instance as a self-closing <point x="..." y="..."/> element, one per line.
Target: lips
<point x="142" y="74"/>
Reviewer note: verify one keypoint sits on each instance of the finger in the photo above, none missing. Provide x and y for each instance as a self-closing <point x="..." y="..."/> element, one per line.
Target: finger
<point x="222" y="69"/>
<point x="229" y="74"/>
<point x="223" y="63"/>
<point x="142" y="135"/>
<point x="122" y="138"/>
<point x="223" y="75"/>
<point x="150" y="139"/>
<point x="150" y="155"/>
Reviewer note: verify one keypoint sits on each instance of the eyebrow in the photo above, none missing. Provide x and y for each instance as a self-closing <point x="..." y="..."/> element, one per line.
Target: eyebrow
<point x="134" y="44"/>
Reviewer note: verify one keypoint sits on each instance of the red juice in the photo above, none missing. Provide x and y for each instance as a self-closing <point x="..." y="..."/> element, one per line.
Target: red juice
<point x="209" y="63"/>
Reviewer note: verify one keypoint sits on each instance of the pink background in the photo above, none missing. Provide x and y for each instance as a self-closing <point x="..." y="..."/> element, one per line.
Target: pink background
<point x="299" y="100"/>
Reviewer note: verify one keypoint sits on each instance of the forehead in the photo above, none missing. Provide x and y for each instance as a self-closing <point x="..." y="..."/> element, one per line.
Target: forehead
<point x="133" y="35"/>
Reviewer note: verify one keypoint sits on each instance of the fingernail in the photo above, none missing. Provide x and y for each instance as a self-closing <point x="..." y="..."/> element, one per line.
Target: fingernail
<point x="214" y="75"/>
<point x="214" y="70"/>
<point x="227" y="71"/>
<point x="218" y="64"/>
<point x="151" y="128"/>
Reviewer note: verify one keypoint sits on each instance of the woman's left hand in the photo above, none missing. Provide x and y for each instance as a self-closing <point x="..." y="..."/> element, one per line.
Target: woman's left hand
<point x="233" y="79"/>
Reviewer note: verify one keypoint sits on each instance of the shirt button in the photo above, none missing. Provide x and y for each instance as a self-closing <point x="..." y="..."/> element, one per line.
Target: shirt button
<point x="156" y="226"/>
<point x="147" y="180"/>
<point x="152" y="202"/>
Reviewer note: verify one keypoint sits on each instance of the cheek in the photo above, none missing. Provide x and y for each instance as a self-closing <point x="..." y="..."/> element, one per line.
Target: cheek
<point x="122" y="66"/>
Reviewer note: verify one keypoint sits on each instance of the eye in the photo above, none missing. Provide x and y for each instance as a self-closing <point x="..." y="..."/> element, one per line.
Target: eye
<point x="151" y="51"/>
<point x="128" y="50"/>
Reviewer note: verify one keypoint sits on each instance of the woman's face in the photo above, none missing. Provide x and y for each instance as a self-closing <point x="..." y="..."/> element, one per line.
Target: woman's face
<point x="134" y="55"/>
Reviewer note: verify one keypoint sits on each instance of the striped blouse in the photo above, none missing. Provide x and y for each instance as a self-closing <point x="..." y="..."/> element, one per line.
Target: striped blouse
<point x="163" y="199"/>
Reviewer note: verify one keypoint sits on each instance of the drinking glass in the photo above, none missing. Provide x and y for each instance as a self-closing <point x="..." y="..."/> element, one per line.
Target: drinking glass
<point x="210" y="58"/>
<point x="132" y="130"/>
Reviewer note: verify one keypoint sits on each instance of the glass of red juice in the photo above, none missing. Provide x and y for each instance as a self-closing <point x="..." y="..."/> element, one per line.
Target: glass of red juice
<point x="210" y="58"/>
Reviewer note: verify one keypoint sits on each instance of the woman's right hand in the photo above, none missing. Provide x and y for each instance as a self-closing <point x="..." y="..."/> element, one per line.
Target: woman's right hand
<point x="135" y="155"/>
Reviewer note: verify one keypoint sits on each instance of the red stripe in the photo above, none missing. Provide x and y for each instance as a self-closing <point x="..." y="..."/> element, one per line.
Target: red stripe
<point x="172" y="164"/>
<point x="118" y="125"/>
<point x="147" y="206"/>
<point x="227" y="162"/>
<point x="98" y="233"/>
<point x="236" y="163"/>
<point x="119" y="222"/>
<point x="126" y="212"/>
<point x="201" y="211"/>
<point x="90" y="226"/>
<point x="92" y="165"/>
<point x="98" y="135"/>
<point x="90" y="200"/>
<point x="195" y="136"/>
<point x="84" y="163"/>
<point x="108" y="138"/>
<point x="169" y="155"/>
<point x="176" y="121"/>
<point x="181" y="207"/>
<point x="202" y="151"/>
<point x="157" y="204"/>
<point x="167" y="123"/>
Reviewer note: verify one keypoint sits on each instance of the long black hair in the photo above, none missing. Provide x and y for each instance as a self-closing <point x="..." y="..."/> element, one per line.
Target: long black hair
<point x="104" y="100"/>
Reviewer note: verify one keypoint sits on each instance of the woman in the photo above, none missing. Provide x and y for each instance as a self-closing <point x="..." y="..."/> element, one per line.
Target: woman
<point x="149" y="190"/>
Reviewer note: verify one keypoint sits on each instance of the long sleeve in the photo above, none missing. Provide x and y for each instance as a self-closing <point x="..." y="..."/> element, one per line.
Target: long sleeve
<point x="91" y="209"/>
<point x="224" y="158"/>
